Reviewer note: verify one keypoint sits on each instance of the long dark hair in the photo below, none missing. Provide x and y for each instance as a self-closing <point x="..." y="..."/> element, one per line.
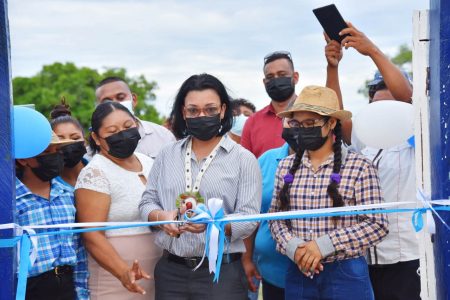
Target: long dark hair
<point x="332" y="189"/>
<point x="61" y="114"/>
<point x="100" y="113"/>
<point x="199" y="83"/>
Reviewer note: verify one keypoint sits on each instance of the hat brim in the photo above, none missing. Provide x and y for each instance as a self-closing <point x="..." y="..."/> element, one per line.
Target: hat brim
<point x="374" y="82"/>
<point x="342" y="115"/>
<point x="63" y="142"/>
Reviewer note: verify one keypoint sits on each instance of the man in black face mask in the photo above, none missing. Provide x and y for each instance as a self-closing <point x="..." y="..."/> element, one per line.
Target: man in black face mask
<point x="263" y="129"/>
<point x="262" y="260"/>
<point x="43" y="200"/>
<point x="45" y="166"/>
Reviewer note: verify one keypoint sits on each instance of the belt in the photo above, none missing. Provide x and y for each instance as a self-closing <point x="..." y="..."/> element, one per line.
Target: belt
<point x="192" y="262"/>
<point x="57" y="271"/>
<point x="60" y="270"/>
<point x="401" y="264"/>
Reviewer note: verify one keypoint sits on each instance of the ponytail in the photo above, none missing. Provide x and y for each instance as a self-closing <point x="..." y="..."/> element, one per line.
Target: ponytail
<point x="335" y="178"/>
<point x="288" y="179"/>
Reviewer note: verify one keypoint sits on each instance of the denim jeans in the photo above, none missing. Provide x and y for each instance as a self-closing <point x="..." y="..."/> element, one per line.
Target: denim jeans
<point x="340" y="280"/>
<point x="271" y="291"/>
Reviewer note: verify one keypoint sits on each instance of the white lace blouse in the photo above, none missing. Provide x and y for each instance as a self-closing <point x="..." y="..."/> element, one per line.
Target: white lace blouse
<point x="124" y="187"/>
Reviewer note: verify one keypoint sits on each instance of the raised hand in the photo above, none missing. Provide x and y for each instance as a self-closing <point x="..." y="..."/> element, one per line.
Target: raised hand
<point x="357" y="40"/>
<point x="333" y="51"/>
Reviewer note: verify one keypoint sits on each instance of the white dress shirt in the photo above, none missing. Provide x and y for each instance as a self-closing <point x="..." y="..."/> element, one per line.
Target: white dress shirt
<point x="153" y="138"/>
<point x="396" y="170"/>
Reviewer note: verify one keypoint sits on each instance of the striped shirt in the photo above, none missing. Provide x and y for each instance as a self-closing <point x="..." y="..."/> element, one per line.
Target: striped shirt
<point x="53" y="250"/>
<point x="232" y="176"/>
<point x="350" y="236"/>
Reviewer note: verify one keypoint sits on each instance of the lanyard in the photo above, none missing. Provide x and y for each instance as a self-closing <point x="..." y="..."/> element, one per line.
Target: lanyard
<point x="188" y="168"/>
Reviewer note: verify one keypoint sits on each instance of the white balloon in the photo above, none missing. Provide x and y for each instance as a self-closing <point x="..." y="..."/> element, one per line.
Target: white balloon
<point x="384" y="124"/>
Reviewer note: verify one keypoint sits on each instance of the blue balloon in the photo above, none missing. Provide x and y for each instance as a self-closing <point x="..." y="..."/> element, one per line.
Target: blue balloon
<point x="32" y="132"/>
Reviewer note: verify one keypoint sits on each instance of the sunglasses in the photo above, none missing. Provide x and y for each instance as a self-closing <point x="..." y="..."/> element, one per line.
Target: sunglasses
<point x="276" y="55"/>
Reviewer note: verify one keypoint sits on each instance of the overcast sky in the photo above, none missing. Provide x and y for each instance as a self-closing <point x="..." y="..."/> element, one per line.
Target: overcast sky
<point x="168" y="40"/>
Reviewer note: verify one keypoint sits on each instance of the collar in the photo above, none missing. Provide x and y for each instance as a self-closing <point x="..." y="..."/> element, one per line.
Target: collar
<point x="269" y="109"/>
<point x="56" y="187"/>
<point x="282" y="152"/>
<point x="21" y="189"/>
<point x="330" y="159"/>
<point x="227" y="143"/>
<point x="144" y="127"/>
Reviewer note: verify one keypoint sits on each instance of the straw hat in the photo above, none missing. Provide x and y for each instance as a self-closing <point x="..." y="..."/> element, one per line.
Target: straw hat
<point x="60" y="142"/>
<point x="320" y="100"/>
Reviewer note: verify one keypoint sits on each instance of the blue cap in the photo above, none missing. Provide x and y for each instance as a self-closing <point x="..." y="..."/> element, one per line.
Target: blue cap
<point x="379" y="78"/>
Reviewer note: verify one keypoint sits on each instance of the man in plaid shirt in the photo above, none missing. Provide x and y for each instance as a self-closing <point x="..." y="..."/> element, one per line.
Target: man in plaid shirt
<point x="60" y="270"/>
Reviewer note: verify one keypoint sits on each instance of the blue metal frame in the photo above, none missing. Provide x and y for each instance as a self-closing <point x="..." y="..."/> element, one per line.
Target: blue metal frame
<point x="440" y="134"/>
<point x="7" y="175"/>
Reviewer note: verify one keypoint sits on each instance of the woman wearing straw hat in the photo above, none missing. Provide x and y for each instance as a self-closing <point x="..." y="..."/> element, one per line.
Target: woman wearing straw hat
<point x="327" y="252"/>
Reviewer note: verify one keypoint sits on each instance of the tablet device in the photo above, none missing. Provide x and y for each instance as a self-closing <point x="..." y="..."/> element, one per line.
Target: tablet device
<point x="331" y="21"/>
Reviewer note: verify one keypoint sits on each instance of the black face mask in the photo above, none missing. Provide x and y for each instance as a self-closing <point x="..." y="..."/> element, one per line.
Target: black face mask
<point x="310" y="138"/>
<point x="50" y="166"/>
<point x="73" y="153"/>
<point x="290" y="135"/>
<point x="203" y="128"/>
<point x="123" y="143"/>
<point x="280" y="89"/>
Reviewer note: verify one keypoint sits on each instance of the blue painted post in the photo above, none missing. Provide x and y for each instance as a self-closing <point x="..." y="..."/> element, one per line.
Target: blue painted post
<point x="440" y="134"/>
<point x="7" y="182"/>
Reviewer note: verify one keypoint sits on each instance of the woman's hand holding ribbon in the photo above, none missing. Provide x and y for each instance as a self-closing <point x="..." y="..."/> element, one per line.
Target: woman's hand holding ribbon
<point x="192" y="227"/>
<point x="170" y="229"/>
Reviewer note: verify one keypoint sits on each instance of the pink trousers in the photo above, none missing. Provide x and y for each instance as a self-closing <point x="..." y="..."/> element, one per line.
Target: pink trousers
<point x="104" y="286"/>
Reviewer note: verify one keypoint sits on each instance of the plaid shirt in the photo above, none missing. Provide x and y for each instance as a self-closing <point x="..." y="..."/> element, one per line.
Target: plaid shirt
<point x="53" y="250"/>
<point x="349" y="235"/>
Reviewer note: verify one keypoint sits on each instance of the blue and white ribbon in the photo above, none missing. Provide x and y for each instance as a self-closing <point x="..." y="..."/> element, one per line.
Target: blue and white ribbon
<point x="215" y="220"/>
<point x="213" y="216"/>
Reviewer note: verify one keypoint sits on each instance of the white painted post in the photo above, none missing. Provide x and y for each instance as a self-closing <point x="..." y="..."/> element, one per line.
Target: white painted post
<point x="421" y="42"/>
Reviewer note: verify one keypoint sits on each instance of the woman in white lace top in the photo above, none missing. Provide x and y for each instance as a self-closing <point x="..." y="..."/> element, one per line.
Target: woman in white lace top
<point x="109" y="189"/>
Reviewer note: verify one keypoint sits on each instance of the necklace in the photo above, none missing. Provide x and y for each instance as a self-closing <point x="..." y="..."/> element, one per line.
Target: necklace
<point x="188" y="167"/>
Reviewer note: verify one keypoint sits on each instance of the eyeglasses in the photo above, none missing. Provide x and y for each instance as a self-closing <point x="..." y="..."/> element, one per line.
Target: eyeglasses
<point x="293" y="123"/>
<point x="276" y="55"/>
<point x="194" y="112"/>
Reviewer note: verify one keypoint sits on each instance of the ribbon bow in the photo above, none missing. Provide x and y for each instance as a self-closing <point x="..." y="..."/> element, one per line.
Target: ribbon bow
<point x="27" y="254"/>
<point x="212" y="216"/>
<point x="417" y="218"/>
<point x="428" y="207"/>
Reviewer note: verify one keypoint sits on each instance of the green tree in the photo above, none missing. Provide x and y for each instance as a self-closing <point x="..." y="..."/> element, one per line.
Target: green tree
<point x="77" y="85"/>
<point x="403" y="57"/>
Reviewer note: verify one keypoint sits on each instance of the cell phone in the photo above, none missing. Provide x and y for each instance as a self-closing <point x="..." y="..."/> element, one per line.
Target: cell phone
<point x="331" y="21"/>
